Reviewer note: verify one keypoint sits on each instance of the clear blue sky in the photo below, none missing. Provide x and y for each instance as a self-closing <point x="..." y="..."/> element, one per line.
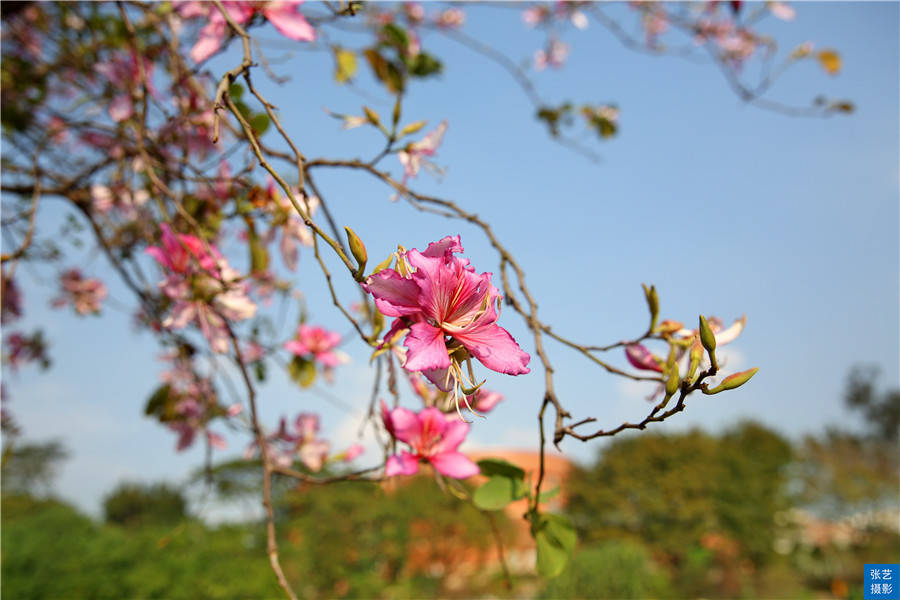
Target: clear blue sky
<point x="726" y="208"/>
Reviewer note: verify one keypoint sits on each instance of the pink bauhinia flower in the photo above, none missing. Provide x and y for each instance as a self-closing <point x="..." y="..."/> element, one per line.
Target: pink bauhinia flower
<point x="318" y="343"/>
<point x="205" y="289"/>
<point x="451" y="18"/>
<point x="432" y="439"/>
<point x="450" y="311"/>
<point x="554" y="56"/>
<point x="415" y="155"/>
<point x="284" y="15"/>
<point x="84" y="294"/>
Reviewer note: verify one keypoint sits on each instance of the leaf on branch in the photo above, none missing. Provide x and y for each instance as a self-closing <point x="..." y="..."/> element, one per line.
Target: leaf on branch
<point x="302" y="371"/>
<point x="499" y="491"/>
<point x="830" y="61"/>
<point x="345" y="65"/>
<point x="495" y="466"/>
<point x="555" y="538"/>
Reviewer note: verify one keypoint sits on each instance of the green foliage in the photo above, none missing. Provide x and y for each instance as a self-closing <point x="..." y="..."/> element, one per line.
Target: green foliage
<point x="555" y="538"/>
<point x="613" y="569"/>
<point x="135" y="504"/>
<point x="302" y="371"/>
<point x="59" y="553"/>
<point x="671" y="490"/>
<point x="29" y="467"/>
<point x="498" y="491"/>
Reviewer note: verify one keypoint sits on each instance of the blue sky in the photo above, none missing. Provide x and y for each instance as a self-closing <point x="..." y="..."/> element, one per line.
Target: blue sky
<point x="728" y="209"/>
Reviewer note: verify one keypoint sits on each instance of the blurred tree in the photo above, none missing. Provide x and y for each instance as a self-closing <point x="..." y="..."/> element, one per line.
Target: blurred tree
<point x="691" y="497"/>
<point x="31" y="468"/>
<point x="137" y="504"/>
<point x="881" y="410"/>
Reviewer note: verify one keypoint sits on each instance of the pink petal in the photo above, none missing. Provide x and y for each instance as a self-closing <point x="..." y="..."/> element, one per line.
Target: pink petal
<point x="454" y="464"/>
<point x="296" y="347"/>
<point x="395" y="296"/>
<point x="483" y="400"/>
<point x="641" y="358"/>
<point x="121" y="108"/>
<point x="289" y="251"/>
<point x="496" y="349"/>
<point x="440" y="248"/>
<point x="210" y="40"/>
<point x="439" y="378"/>
<point x="401" y="464"/>
<point x="455" y="432"/>
<point x="353" y="451"/>
<point x="404" y="424"/>
<point x="287" y="19"/>
<point x="427" y="349"/>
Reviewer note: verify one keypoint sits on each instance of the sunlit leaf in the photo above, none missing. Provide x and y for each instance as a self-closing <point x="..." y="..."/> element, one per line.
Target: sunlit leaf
<point x="830" y="61"/>
<point x="345" y="65"/>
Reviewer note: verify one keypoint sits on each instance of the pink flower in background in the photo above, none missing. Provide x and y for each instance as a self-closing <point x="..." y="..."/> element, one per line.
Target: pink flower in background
<point x="179" y="252"/>
<point x="284" y="15"/>
<point x="318" y="343"/>
<point x="484" y="400"/>
<point x="205" y="289"/>
<point x="554" y="56"/>
<point x="534" y="15"/>
<point x="451" y="18"/>
<point x="121" y="72"/>
<point x="641" y="358"/>
<point x="442" y="297"/>
<point x="85" y="295"/>
<point x="432" y="439"/>
<point x="416" y="153"/>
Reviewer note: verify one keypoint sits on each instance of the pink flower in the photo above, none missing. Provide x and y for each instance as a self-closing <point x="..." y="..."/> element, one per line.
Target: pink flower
<point x="317" y="342"/>
<point x="782" y="10"/>
<point x="85" y="295"/>
<point x="451" y="18"/>
<point x="554" y="56"/>
<point x="179" y="252"/>
<point x="353" y="452"/>
<point x="442" y="297"/>
<point x="205" y="289"/>
<point x="432" y="439"/>
<point x="121" y="72"/>
<point x="534" y="15"/>
<point x="484" y="400"/>
<point x="414" y="156"/>
<point x="285" y="16"/>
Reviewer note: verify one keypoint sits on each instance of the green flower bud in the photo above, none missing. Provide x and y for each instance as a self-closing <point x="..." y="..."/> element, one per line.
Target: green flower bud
<point x="708" y="339"/>
<point x="733" y="381"/>
<point x="358" y="249"/>
<point x="673" y="381"/>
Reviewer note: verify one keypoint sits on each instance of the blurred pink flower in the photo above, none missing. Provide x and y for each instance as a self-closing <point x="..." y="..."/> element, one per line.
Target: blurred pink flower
<point x="414" y="156"/>
<point x="85" y="295"/>
<point x="318" y="343"/>
<point x="432" y="439"/>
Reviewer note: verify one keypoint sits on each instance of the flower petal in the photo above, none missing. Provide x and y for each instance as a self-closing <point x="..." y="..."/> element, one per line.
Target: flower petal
<point x="454" y="464"/>
<point x="427" y="349"/>
<point x="287" y="19"/>
<point x="496" y="349"/>
<point x="395" y="296"/>
<point x="455" y="432"/>
<point x="401" y="464"/>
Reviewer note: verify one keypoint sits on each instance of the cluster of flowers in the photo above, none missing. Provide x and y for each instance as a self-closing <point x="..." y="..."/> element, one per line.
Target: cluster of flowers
<point x="202" y="286"/>
<point x="302" y="443"/>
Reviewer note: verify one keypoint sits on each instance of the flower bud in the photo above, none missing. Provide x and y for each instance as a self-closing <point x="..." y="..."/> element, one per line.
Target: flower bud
<point x="412" y="128"/>
<point x="696" y="356"/>
<point x="673" y="381"/>
<point x="733" y="381"/>
<point x="708" y="339"/>
<point x="372" y="116"/>
<point x="358" y="249"/>
<point x="669" y="327"/>
<point x="652" y="304"/>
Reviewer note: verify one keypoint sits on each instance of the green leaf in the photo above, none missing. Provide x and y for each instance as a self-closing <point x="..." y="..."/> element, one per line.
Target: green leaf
<point x="548" y="495"/>
<point x="260" y="123"/>
<point x="345" y="65"/>
<point x="497" y="492"/>
<point x="423" y="65"/>
<point x="302" y="371"/>
<point x="395" y="36"/>
<point x="236" y="91"/>
<point x="385" y="71"/>
<point x="161" y="403"/>
<point x="496" y="466"/>
<point x="555" y="539"/>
